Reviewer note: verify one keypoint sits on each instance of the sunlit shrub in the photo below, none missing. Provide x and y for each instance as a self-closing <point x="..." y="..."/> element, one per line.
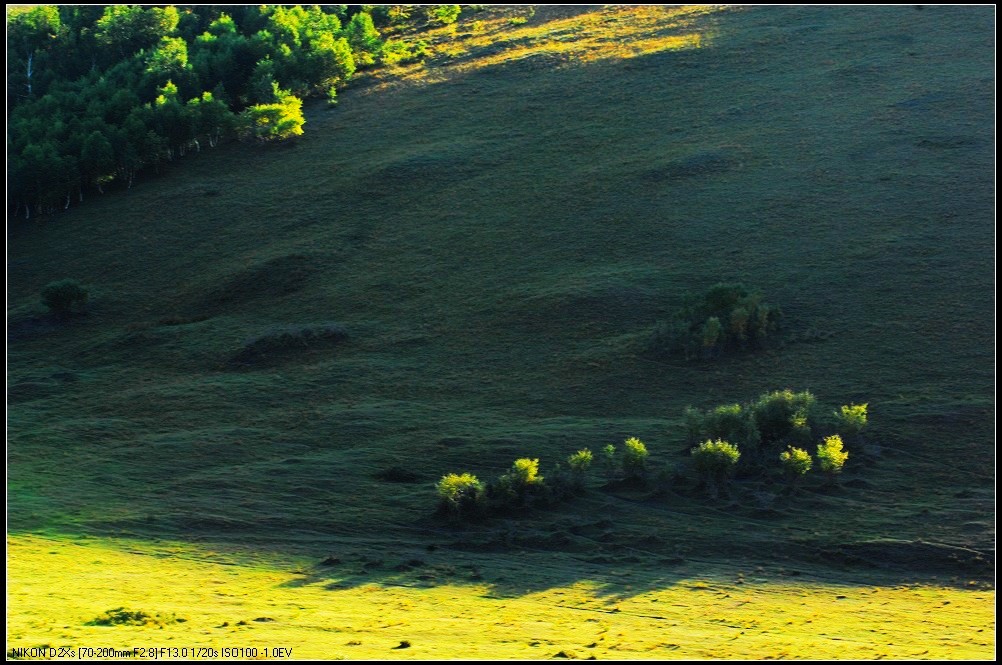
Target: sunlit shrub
<point x="851" y="419"/>
<point x="796" y="462"/>
<point x="831" y="456"/>
<point x="714" y="460"/>
<point x="460" y="494"/>
<point x="634" y="457"/>
<point x="580" y="461"/>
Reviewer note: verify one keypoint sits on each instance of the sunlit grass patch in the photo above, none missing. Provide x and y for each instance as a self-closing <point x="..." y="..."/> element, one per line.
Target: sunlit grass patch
<point x="503" y="36"/>
<point x="232" y="599"/>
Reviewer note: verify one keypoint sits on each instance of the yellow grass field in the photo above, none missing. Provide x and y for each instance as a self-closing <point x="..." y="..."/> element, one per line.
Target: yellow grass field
<point x="233" y="603"/>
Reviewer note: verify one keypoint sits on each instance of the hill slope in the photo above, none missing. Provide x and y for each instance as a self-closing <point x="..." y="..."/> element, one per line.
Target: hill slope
<point x="499" y="235"/>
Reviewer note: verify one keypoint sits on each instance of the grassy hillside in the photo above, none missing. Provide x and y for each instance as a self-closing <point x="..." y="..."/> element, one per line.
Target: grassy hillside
<point x="499" y="232"/>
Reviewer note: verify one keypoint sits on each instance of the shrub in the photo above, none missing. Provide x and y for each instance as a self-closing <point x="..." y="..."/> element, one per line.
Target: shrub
<point x="64" y="297"/>
<point x="851" y="419"/>
<point x="399" y="52"/>
<point x="715" y="459"/>
<point x="460" y="494"/>
<point x="634" y="457"/>
<point x="796" y="461"/>
<point x="609" y="458"/>
<point x="730" y="422"/>
<point x="780" y="413"/>
<point x="831" y="457"/>
<point x="525" y="472"/>
<point x="290" y="337"/>
<point x="444" y="14"/>
<point x="515" y="488"/>
<point x="579" y="462"/>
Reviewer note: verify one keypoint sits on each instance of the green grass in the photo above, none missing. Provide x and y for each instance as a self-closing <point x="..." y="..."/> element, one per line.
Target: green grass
<point x="499" y="232"/>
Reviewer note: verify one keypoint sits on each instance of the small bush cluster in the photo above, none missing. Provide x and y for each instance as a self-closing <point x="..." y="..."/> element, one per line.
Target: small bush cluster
<point x="464" y="496"/>
<point x="726" y="318"/>
<point x="775" y="420"/>
<point x="290" y="337"/>
<point x="443" y="14"/>
<point x="123" y="617"/>
<point x="396" y="52"/>
<point x="65" y="297"/>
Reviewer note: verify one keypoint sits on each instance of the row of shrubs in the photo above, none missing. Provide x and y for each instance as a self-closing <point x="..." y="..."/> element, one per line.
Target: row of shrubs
<point x="464" y="496"/>
<point x="763" y="427"/>
<point x="715" y="460"/>
<point x="726" y="318"/>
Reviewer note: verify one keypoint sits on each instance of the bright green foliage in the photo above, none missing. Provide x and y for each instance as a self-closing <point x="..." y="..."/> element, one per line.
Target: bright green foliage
<point x="726" y="318"/>
<point x="363" y="38"/>
<point x="168" y="59"/>
<point x="64" y="297"/>
<point x="714" y="459"/>
<point x="730" y="422"/>
<point x="580" y="461"/>
<point x="525" y="472"/>
<point x="444" y="14"/>
<point x="851" y="419"/>
<point x="796" y="461"/>
<point x="97" y="95"/>
<point x="634" y="457"/>
<point x="275" y="122"/>
<point x="399" y="52"/>
<point x="514" y="488"/>
<point x="128" y="28"/>
<point x="831" y="457"/>
<point x="459" y="493"/>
